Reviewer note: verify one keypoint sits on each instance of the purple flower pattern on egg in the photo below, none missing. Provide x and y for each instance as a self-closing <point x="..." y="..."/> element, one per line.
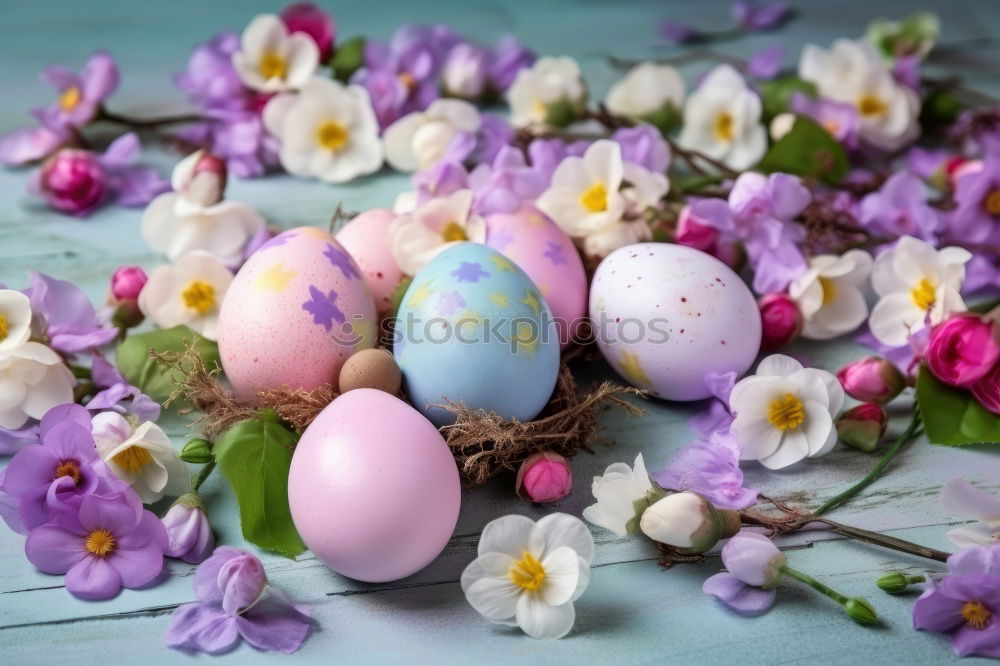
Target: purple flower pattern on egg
<point x="501" y="239"/>
<point x="470" y="271"/>
<point x="280" y="239"/>
<point x="555" y="253"/>
<point x="343" y="261"/>
<point x="449" y="302"/>
<point x="323" y="308"/>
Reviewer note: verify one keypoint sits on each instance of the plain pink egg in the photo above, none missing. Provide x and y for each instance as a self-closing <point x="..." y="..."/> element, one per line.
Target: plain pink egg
<point x="373" y="488"/>
<point x="366" y="237"/>
<point x="293" y="314"/>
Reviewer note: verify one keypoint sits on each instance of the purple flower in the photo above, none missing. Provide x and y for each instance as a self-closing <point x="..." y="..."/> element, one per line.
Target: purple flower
<point x="965" y="603"/>
<point x="80" y="97"/>
<point x="754" y="567"/>
<point x="12" y="441"/>
<point x="906" y="70"/>
<point x="104" y="545"/>
<point x="464" y="72"/>
<point x="900" y="208"/>
<point x="439" y="180"/>
<point x="258" y="241"/>
<point x="679" y="33"/>
<point x="469" y="272"/>
<point x="130" y="184"/>
<point x="30" y="144"/>
<point x="234" y="601"/>
<point x="505" y="185"/>
<point x="760" y="213"/>
<point x="343" y="261"/>
<point x="840" y="120"/>
<point x="754" y="17"/>
<point x="388" y="93"/>
<point x="210" y="81"/>
<point x="494" y="135"/>
<point x="976" y="219"/>
<point x="189" y="534"/>
<point x="238" y="137"/>
<point x="645" y="146"/>
<point x="744" y="599"/>
<point x="711" y="469"/>
<point x="546" y="154"/>
<point x="63" y="314"/>
<point x="766" y="64"/>
<point x="115" y="391"/>
<point x="508" y="58"/>
<point x="717" y="418"/>
<point x="323" y="308"/>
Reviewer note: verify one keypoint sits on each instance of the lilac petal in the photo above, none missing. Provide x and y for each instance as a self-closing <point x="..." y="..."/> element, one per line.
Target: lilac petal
<point x="740" y="597"/>
<point x="70" y="412"/>
<point x="961" y="498"/>
<point x="110" y="397"/>
<point x="275" y="623"/>
<point x="123" y="151"/>
<point x="983" y="642"/>
<point x="69" y="439"/>
<point x="138" y="566"/>
<point x="935" y="611"/>
<point x="767" y="63"/>
<point x="59" y="77"/>
<point x="54" y="550"/>
<point x="145" y="408"/>
<point x="104" y="373"/>
<point x="12" y="441"/>
<point x="716" y="418"/>
<point x="137" y="185"/>
<point x="10" y="513"/>
<point x="979" y="560"/>
<point x="94" y="579"/>
<point x="28" y="144"/>
<point x="110" y="513"/>
<point x="78" y="341"/>
<point x="206" y="578"/>
<point x="31" y="467"/>
<point x="33" y="506"/>
<point x="99" y="77"/>
<point x="202" y="628"/>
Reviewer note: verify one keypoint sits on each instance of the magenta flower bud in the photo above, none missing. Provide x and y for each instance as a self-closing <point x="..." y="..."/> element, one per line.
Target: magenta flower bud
<point x="73" y="181"/>
<point x="126" y="284"/>
<point x="694" y="233"/>
<point x="963" y="349"/>
<point x="313" y="21"/>
<point x="872" y="379"/>
<point x="189" y="533"/>
<point x="780" y="320"/>
<point x="863" y="426"/>
<point x="544" y="477"/>
<point x="987" y="389"/>
<point x="241" y="580"/>
<point x="754" y="559"/>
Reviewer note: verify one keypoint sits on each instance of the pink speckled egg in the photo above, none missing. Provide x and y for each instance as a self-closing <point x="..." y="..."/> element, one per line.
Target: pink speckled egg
<point x="667" y="315"/>
<point x="366" y="237"/>
<point x="293" y="314"/>
<point x="549" y="258"/>
<point x="373" y="488"/>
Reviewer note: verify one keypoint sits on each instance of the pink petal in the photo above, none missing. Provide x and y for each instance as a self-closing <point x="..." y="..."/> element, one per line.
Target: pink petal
<point x="93" y="578"/>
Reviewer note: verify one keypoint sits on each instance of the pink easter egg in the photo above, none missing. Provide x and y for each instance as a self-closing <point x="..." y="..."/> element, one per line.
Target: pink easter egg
<point x="549" y="258"/>
<point x="373" y="488"/>
<point x="297" y="309"/>
<point x="366" y="237"/>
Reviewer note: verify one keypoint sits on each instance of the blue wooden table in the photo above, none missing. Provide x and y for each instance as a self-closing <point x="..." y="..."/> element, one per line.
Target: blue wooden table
<point x="633" y="612"/>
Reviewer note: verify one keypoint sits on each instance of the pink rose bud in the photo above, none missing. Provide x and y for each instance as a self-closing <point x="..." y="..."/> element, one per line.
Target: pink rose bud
<point x="963" y="349"/>
<point x="189" y="533"/>
<point x="780" y="319"/>
<point x="73" y="181"/>
<point x="987" y="389"/>
<point x="863" y="426"/>
<point x="692" y="233"/>
<point x="126" y="283"/>
<point x="313" y="21"/>
<point x="544" y="477"/>
<point x="872" y="379"/>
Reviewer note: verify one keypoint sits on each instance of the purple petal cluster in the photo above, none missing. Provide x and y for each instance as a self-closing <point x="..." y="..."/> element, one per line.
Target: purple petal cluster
<point x="756" y="17"/>
<point x="63" y="314"/>
<point x="710" y="468"/>
<point x="900" y="208"/>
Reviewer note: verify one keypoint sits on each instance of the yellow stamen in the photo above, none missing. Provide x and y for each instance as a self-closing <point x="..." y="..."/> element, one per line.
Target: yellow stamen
<point x="975" y="613"/>
<point x="272" y="65"/>
<point x="133" y="459"/>
<point x="70" y="468"/>
<point x="923" y="294"/>
<point x="786" y="413"/>
<point x="70" y="98"/>
<point x="595" y="198"/>
<point x="527" y="573"/>
<point x="829" y="290"/>
<point x="723" y="126"/>
<point x="453" y="231"/>
<point x="870" y="105"/>
<point x="4" y="332"/>
<point x="199" y="296"/>
<point x="992" y="202"/>
<point x="408" y="81"/>
<point x="539" y="111"/>
<point x="100" y="542"/>
<point x="331" y="135"/>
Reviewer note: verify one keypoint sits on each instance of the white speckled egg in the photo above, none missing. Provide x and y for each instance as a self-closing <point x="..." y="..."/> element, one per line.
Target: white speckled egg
<point x="666" y="315"/>
<point x="297" y="309"/>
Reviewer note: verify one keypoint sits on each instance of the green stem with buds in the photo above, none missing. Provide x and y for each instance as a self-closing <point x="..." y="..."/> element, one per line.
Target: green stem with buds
<point x="815" y="584"/>
<point x="857" y="608"/>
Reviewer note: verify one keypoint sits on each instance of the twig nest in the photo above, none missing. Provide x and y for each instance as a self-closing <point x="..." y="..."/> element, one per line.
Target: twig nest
<point x="371" y="368"/>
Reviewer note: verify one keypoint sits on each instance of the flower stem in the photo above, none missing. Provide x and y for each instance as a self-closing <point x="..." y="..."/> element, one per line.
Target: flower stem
<point x="202" y="475"/>
<point x="148" y="123"/>
<point x="815" y="584"/>
<point x="886" y="541"/>
<point x="897" y="446"/>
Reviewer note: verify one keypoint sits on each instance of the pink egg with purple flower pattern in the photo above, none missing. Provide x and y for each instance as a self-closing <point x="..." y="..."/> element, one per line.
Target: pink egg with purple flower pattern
<point x="550" y="259"/>
<point x="366" y="237"/>
<point x="294" y="313"/>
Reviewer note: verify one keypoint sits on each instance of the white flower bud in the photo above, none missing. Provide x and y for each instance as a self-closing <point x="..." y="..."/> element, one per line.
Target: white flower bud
<point x="687" y="520"/>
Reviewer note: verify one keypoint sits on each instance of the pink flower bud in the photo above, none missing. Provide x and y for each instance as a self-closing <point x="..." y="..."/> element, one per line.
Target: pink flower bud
<point x="692" y="233"/>
<point x="313" y="21"/>
<point x="863" y="426"/>
<point x="987" y="389"/>
<point x="872" y="379"/>
<point x="544" y="477"/>
<point x="200" y="178"/>
<point x="963" y="349"/>
<point x="126" y="283"/>
<point x="241" y="581"/>
<point x="958" y="167"/>
<point x="780" y="319"/>
<point x="189" y="533"/>
<point x="73" y="181"/>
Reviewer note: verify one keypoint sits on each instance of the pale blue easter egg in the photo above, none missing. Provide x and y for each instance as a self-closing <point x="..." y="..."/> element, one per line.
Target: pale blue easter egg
<point x="473" y="328"/>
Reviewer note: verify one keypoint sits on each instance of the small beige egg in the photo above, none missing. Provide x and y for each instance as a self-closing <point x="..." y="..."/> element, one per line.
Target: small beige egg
<point x="371" y="368"/>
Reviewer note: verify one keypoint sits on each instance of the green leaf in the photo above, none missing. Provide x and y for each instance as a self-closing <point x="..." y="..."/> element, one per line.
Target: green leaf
<point x="776" y="95"/>
<point x="939" y="110"/>
<point x="348" y="58"/>
<point x="807" y="150"/>
<point x="952" y="416"/>
<point x="152" y="377"/>
<point x="667" y="118"/>
<point x="254" y="455"/>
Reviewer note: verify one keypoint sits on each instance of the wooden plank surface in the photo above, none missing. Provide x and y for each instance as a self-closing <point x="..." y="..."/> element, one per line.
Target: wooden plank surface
<point x="633" y="612"/>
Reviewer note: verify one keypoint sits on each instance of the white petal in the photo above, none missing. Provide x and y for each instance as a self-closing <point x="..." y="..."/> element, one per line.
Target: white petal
<point x="817" y="426"/>
<point x="398" y="139"/>
<point x="794" y="447"/>
<point x="971" y="536"/>
<point x="961" y="498"/>
<point x="55" y="388"/>
<point x="778" y="365"/>
<point x="562" y="571"/>
<point x="496" y="599"/>
<point x="303" y="59"/>
<point x="539" y="620"/>
<point x="513" y="535"/>
<point x="15" y="308"/>
<point x="758" y="436"/>
<point x="583" y="581"/>
<point x="562" y="529"/>
<point x="893" y="318"/>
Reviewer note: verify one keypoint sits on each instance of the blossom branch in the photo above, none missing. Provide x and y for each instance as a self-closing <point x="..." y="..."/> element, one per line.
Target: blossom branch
<point x="148" y="123"/>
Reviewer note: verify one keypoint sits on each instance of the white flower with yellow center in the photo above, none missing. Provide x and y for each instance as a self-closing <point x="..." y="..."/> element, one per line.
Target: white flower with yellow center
<point x="327" y="131"/>
<point x="853" y="73"/>
<point x="722" y="119"/>
<point x="419" y="236"/>
<point x="194" y="216"/>
<point x="648" y="89"/>
<point x="33" y="380"/>
<point x="785" y="412"/>
<point x="529" y="574"/>
<point x="188" y="292"/>
<point x="538" y="89"/>
<point x="622" y="494"/>
<point x="15" y="319"/>
<point x="420" y="139"/>
<point x="141" y="456"/>
<point x="917" y="284"/>
<point x="830" y="296"/>
<point x="271" y="59"/>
